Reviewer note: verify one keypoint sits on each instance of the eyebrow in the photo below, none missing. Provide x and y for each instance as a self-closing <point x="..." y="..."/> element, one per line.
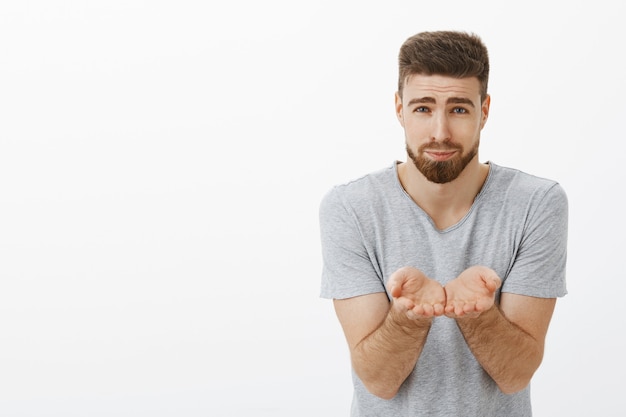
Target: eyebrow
<point x="451" y="100"/>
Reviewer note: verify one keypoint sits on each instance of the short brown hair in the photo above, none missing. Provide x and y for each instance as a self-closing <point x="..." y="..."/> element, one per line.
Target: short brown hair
<point x="451" y="53"/>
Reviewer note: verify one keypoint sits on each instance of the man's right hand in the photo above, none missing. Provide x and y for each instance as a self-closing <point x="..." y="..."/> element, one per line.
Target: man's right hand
<point x="416" y="295"/>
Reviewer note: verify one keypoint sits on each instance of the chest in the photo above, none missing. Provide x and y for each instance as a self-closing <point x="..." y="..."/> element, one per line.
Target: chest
<point x="480" y="238"/>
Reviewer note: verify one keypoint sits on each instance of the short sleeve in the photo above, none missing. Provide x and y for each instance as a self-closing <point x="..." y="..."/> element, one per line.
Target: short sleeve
<point x="540" y="263"/>
<point x="348" y="270"/>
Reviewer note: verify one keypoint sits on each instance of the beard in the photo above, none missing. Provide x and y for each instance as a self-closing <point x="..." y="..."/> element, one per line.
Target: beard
<point x="441" y="172"/>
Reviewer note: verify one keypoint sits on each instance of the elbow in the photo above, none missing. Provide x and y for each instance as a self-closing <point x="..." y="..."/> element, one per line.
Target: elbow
<point x="386" y="396"/>
<point x="379" y="386"/>
<point x="385" y="393"/>
<point x="376" y="382"/>
<point x="516" y="384"/>
<point x="519" y="380"/>
<point x="513" y="388"/>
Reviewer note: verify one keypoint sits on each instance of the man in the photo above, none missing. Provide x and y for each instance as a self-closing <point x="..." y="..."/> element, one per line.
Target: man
<point x="444" y="271"/>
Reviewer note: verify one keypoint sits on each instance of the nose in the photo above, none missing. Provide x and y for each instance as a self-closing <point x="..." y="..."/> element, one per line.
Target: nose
<point x="440" y="129"/>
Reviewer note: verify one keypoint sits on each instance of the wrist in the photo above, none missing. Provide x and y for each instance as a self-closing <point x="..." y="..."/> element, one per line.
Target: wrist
<point x="401" y="319"/>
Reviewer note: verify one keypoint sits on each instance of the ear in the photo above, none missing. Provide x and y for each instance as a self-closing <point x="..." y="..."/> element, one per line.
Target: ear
<point x="485" y="110"/>
<point x="399" y="108"/>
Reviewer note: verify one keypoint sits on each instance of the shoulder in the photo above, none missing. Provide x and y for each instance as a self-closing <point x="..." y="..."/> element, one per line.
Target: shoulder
<point x="520" y="186"/>
<point x="361" y="191"/>
<point x="534" y="203"/>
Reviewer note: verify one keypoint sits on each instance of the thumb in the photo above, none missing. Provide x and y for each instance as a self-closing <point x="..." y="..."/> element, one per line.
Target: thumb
<point x="492" y="281"/>
<point x="396" y="281"/>
<point x="395" y="289"/>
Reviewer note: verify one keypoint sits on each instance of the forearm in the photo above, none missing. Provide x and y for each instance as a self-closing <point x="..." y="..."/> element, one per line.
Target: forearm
<point x="386" y="357"/>
<point x="505" y="351"/>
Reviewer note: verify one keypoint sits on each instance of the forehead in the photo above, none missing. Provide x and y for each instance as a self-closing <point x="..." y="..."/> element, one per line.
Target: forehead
<point x="419" y="85"/>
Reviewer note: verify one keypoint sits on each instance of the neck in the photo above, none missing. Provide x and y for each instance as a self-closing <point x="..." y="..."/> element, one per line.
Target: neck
<point x="447" y="203"/>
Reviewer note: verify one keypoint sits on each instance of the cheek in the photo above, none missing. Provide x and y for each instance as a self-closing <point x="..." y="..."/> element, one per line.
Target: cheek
<point x="412" y="133"/>
<point x="414" y="127"/>
<point x="467" y="128"/>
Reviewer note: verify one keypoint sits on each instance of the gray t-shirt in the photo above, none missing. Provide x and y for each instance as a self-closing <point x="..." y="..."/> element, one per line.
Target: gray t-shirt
<point x="371" y="227"/>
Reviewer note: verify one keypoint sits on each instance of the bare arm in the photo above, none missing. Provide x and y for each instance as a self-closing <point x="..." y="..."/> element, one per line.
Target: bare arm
<point x="507" y="340"/>
<point x="386" y="339"/>
<point x="375" y="335"/>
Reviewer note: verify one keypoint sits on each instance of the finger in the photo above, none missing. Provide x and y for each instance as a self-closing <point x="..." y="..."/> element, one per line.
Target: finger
<point x="471" y="315"/>
<point x="395" y="292"/>
<point x="459" y="309"/>
<point x="469" y="307"/>
<point x="438" y="309"/>
<point x="449" y="308"/>
<point x="484" y="304"/>
<point x="492" y="282"/>
<point x="428" y="310"/>
<point x="395" y="284"/>
<point x="395" y="287"/>
<point x="403" y="304"/>
<point x="400" y="275"/>
<point x="419" y="310"/>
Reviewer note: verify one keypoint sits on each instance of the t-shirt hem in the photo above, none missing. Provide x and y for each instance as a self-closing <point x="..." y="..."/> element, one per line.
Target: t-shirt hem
<point x="349" y="293"/>
<point x="536" y="292"/>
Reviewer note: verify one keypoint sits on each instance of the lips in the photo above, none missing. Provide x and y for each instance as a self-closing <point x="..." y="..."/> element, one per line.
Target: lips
<point x="439" y="155"/>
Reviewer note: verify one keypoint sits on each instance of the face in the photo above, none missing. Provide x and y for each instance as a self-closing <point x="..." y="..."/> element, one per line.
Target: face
<point x="442" y="118"/>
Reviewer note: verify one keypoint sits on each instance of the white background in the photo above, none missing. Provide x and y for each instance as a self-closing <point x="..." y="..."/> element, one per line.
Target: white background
<point x="161" y="166"/>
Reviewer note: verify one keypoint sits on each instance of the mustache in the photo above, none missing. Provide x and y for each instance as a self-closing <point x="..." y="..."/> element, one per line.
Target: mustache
<point x="440" y="146"/>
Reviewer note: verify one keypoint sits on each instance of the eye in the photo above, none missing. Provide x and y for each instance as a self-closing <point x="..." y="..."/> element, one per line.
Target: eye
<point x="459" y="110"/>
<point x="421" y="109"/>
